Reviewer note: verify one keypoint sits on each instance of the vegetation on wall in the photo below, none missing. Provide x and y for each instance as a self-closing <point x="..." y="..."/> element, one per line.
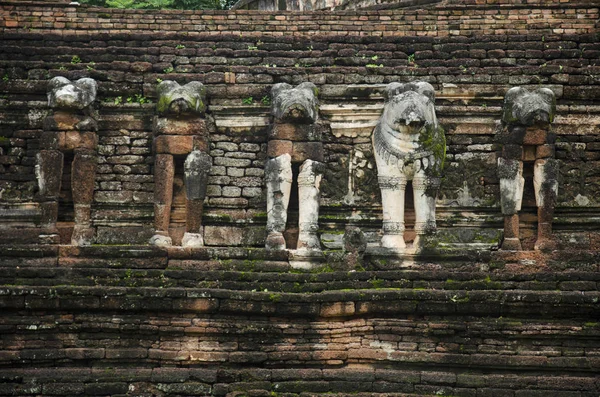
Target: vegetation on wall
<point x="164" y="4"/>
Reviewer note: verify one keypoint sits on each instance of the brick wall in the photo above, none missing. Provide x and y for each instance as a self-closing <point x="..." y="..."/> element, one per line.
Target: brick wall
<point x="471" y="53"/>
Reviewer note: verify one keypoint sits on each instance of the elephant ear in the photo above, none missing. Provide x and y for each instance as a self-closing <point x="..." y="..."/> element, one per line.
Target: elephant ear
<point x="58" y="82"/>
<point x="166" y="86"/>
<point x="424" y="88"/>
<point x="278" y="89"/>
<point x="310" y="88"/>
<point x="88" y="85"/>
<point x="391" y="90"/>
<point x="548" y="95"/>
<point x="510" y="98"/>
<point x="197" y="88"/>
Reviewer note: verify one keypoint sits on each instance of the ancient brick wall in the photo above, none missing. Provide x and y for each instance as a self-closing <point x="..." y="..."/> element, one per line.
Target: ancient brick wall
<point x="471" y="54"/>
<point x="231" y="319"/>
<point x="220" y="322"/>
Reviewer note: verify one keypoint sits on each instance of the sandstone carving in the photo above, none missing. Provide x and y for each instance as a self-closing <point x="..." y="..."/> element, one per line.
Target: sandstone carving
<point x="295" y="105"/>
<point x="409" y="145"/>
<point x="278" y="175"/>
<point x="180" y="130"/>
<point x="64" y="94"/>
<point x="526" y="136"/>
<point x="72" y="127"/>
<point x="309" y="180"/>
<point x="294" y="139"/>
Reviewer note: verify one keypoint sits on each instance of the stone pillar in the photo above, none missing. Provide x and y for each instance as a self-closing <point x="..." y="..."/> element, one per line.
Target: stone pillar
<point x="309" y="180"/>
<point x="72" y="127"/>
<point x="294" y="139"/>
<point x="195" y="177"/>
<point x="526" y="122"/>
<point x="278" y="175"/>
<point x="180" y="130"/>
<point x="393" y="190"/>
<point x="424" y="193"/>
<point x="409" y="145"/>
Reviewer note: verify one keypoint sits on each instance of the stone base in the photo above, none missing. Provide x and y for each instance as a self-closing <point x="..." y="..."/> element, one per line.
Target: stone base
<point x="511" y="244"/>
<point x="192" y="240"/>
<point x="545" y="245"/>
<point x="393" y="242"/>
<point x="307" y="258"/>
<point x="275" y="241"/>
<point x="82" y="236"/>
<point x="158" y="240"/>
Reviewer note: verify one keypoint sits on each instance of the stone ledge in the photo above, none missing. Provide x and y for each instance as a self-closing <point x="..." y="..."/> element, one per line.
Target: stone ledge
<point x="548" y="304"/>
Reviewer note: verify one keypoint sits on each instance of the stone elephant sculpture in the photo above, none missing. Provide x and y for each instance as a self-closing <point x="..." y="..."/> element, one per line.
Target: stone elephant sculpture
<point x="409" y="145"/>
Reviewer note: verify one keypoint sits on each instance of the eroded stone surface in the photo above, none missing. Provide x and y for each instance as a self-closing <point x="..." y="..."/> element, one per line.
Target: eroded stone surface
<point x="70" y="127"/>
<point x="309" y="180"/>
<point x="180" y="130"/>
<point x="297" y="104"/>
<point x="526" y="136"/>
<point x="64" y="94"/>
<point x="178" y="100"/>
<point x="278" y="176"/>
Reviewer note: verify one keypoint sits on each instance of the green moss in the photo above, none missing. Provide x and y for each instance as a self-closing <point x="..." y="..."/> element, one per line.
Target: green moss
<point x="377" y="283"/>
<point x="275" y="297"/>
<point x="433" y="139"/>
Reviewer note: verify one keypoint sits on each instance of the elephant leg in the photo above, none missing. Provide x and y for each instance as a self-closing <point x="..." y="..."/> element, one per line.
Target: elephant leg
<point x="164" y="171"/>
<point x="195" y="177"/>
<point x="393" y="190"/>
<point x="278" y="174"/>
<point x="48" y="170"/>
<point x="309" y="180"/>
<point x="545" y="184"/>
<point x="83" y="176"/>
<point x="510" y="172"/>
<point x="425" y="193"/>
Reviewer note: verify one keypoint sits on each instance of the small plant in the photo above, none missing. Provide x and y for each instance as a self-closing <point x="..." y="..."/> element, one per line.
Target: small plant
<point x="5" y="77"/>
<point x="129" y="99"/>
<point x="75" y="60"/>
<point x="252" y="48"/>
<point x="159" y="80"/>
<point x="118" y="100"/>
<point x="90" y="66"/>
<point x="141" y="99"/>
<point x="62" y="68"/>
<point x="374" y="65"/>
<point x="411" y="58"/>
<point x="265" y="100"/>
<point x="309" y="48"/>
<point x="463" y="68"/>
<point x="169" y="69"/>
<point x="180" y="46"/>
<point x="248" y="101"/>
<point x="374" y="57"/>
